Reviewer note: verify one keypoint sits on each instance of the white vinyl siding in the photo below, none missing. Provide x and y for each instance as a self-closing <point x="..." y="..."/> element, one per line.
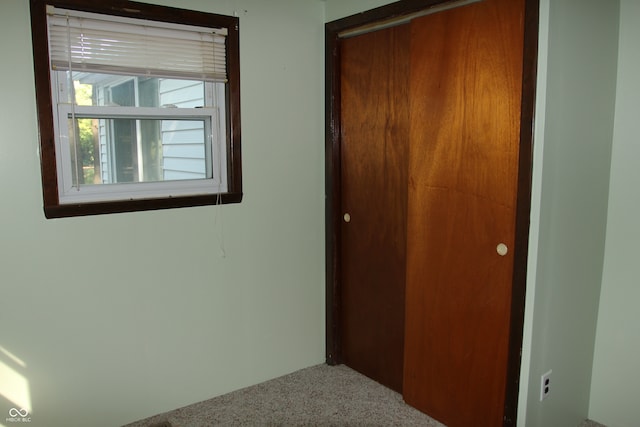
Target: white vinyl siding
<point x="181" y="93"/>
<point x="105" y="168"/>
<point x="182" y="142"/>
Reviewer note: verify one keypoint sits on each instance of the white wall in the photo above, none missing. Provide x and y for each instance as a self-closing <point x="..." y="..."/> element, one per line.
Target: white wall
<point x="336" y="9"/>
<point x="616" y="378"/>
<point x="157" y="329"/>
<point x="577" y="79"/>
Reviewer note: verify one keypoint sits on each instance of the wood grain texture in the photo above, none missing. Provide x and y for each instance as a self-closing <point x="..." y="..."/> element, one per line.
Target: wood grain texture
<point x="374" y="154"/>
<point x="466" y="83"/>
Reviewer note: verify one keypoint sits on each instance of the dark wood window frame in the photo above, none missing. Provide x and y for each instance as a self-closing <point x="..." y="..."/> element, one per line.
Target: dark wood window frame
<point x="52" y="206"/>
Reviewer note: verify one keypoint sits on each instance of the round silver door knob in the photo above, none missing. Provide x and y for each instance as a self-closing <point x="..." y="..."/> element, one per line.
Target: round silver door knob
<point x="347" y="217"/>
<point x="502" y="249"/>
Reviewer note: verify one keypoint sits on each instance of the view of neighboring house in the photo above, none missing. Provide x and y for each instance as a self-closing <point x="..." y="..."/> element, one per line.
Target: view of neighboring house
<point x="145" y="149"/>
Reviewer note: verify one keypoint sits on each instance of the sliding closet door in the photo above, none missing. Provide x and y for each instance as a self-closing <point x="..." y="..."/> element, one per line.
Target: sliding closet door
<point x="465" y="97"/>
<point x="374" y="149"/>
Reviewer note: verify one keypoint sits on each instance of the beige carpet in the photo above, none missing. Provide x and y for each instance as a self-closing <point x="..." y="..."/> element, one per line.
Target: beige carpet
<point x="318" y="396"/>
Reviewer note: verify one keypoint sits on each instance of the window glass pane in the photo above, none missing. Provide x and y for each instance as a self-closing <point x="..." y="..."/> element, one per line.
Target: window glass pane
<point x="86" y="167"/>
<point x="93" y="89"/>
<point x="123" y="94"/>
<point x="148" y="95"/>
<point x="121" y="150"/>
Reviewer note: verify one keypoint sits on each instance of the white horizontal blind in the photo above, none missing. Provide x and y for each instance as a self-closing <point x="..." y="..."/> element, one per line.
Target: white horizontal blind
<point x="117" y="45"/>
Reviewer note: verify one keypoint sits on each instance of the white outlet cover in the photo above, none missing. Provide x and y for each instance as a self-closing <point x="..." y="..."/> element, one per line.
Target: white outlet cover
<point x="545" y="385"/>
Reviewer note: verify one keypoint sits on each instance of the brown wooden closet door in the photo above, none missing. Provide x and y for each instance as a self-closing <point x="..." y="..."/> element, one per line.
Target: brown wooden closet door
<point x="374" y="149"/>
<point x="465" y="113"/>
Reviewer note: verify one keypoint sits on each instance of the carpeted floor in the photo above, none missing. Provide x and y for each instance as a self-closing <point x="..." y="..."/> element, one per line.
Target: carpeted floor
<point x="318" y="396"/>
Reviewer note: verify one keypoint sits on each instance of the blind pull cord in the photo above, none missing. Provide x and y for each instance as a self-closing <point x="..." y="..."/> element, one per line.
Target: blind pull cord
<point x="216" y="140"/>
<point x="72" y="91"/>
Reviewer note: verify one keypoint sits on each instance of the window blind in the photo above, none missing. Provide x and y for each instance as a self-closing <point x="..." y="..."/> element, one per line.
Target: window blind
<point x="96" y="43"/>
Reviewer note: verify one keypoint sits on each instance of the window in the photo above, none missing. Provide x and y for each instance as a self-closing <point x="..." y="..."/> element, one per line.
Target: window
<point x="138" y="106"/>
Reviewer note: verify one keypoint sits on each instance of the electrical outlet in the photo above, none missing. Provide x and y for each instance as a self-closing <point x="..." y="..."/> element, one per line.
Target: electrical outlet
<point x="545" y="385"/>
